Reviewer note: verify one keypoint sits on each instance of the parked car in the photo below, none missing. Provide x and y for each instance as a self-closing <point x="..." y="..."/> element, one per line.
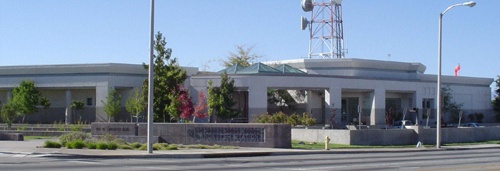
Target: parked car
<point x="400" y="124"/>
<point x="471" y="125"/>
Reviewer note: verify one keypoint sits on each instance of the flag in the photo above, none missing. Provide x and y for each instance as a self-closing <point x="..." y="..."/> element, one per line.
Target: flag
<point x="457" y="69"/>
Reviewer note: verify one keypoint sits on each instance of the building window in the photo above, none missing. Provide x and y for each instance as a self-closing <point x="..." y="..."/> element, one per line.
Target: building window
<point x="89" y="101"/>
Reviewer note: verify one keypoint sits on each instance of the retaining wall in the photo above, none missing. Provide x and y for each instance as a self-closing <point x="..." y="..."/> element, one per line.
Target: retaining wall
<point x="244" y="135"/>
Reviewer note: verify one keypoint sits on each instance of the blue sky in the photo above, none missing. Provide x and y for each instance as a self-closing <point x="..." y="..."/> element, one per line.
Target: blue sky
<point x="37" y="32"/>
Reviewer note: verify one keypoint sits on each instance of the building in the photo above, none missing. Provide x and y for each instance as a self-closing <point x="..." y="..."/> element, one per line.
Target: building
<point x="356" y="90"/>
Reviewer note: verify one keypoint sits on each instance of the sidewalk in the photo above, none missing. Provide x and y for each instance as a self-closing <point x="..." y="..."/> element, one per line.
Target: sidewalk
<point x="29" y="149"/>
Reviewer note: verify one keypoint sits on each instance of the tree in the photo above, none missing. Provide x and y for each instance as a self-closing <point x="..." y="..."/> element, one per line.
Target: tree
<point x="496" y="101"/>
<point x="112" y="104"/>
<point x="45" y="103"/>
<point x="243" y="56"/>
<point x="185" y="107"/>
<point x="25" y="98"/>
<point x="200" y="108"/>
<point x="135" y="103"/>
<point x="8" y="113"/>
<point x="220" y="99"/>
<point x="168" y="75"/>
<point x="77" y="105"/>
<point x="449" y="105"/>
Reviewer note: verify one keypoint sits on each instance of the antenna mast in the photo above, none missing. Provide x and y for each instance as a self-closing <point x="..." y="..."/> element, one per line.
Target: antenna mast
<point x="326" y="35"/>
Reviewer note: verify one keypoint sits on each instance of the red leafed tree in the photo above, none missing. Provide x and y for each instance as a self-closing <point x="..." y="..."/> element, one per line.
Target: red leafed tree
<point x="186" y="106"/>
<point x="200" y="110"/>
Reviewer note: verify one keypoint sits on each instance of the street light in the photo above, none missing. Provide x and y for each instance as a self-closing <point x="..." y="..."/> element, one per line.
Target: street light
<point x="438" y="115"/>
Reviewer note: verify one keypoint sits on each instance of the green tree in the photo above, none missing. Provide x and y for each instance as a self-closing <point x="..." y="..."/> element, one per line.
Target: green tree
<point x="243" y="56"/>
<point x="25" y="98"/>
<point x="112" y="104"/>
<point x="496" y="101"/>
<point x="135" y="103"/>
<point x="168" y="75"/>
<point x="77" y="105"/>
<point x="8" y="113"/>
<point x="45" y="103"/>
<point x="220" y="99"/>
<point x="450" y="106"/>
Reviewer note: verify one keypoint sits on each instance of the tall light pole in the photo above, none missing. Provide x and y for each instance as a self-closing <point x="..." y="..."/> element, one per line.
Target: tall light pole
<point x="438" y="115"/>
<point x="150" y="80"/>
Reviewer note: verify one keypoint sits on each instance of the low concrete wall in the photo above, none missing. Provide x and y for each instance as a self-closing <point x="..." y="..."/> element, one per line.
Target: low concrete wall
<point x="408" y="136"/>
<point x="4" y="136"/>
<point x="357" y="137"/>
<point x="244" y="135"/>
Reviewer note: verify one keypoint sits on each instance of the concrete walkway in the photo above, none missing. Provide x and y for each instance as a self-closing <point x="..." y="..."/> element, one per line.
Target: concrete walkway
<point x="32" y="149"/>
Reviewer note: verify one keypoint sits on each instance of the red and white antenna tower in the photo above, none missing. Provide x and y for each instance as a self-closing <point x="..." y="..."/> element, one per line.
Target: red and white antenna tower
<point x="326" y="35"/>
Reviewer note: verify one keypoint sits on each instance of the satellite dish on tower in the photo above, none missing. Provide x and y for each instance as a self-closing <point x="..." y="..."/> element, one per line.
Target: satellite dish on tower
<point x="307" y="5"/>
<point x="303" y="23"/>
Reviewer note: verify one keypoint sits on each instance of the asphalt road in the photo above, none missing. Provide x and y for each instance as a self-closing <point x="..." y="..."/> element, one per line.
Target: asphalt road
<point x="474" y="159"/>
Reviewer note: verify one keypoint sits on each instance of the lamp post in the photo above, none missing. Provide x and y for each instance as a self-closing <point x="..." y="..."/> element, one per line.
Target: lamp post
<point x="150" y="80"/>
<point x="438" y="115"/>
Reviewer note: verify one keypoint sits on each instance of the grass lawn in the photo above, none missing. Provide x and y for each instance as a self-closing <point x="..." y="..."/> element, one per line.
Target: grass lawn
<point x="26" y="138"/>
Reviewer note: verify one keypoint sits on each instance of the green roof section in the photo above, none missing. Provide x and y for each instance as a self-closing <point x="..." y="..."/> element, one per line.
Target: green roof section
<point x="259" y="68"/>
<point x="232" y="69"/>
<point x="284" y="68"/>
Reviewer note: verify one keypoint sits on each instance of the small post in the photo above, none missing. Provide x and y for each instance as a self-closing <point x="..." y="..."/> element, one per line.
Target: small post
<point x="327" y="143"/>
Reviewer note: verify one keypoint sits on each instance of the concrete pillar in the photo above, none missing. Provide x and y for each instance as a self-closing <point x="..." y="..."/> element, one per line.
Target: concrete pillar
<point x="377" y="116"/>
<point x="257" y="101"/>
<point x="67" y="113"/>
<point x="417" y="103"/>
<point x="333" y="100"/>
<point x="101" y="92"/>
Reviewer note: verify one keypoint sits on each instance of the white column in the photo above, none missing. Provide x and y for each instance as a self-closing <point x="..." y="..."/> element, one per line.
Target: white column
<point x="417" y="103"/>
<point x="333" y="100"/>
<point x="101" y="92"/>
<point x="68" y="109"/>
<point x="377" y="116"/>
<point x="257" y="101"/>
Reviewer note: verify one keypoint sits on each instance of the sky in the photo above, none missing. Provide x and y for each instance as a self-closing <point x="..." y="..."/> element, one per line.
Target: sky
<point x="202" y="32"/>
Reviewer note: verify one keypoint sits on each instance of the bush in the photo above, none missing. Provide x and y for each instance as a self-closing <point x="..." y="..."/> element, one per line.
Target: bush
<point x="143" y="147"/>
<point x="125" y="147"/>
<point x="72" y="137"/>
<point x="91" y="145"/>
<point x="51" y="144"/>
<point x="264" y="118"/>
<point x="279" y="117"/>
<point x="307" y="120"/>
<point x="78" y="144"/>
<point x="293" y="119"/>
<point x="101" y="145"/>
<point x="112" y="146"/>
<point x="136" y="145"/>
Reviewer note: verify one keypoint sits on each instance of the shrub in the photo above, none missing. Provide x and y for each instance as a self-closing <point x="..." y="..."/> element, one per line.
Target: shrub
<point x="293" y="119"/>
<point x="51" y="144"/>
<point x="307" y="120"/>
<point x="264" y="118"/>
<point x="91" y="145"/>
<point x="143" y="147"/>
<point x="101" y="145"/>
<point x="279" y="117"/>
<point x="171" y="147"/>
<point x="112" y="146"/>
<point x="125" y="147"/>
<point x="78" y="144"/>
<point x="72" y="137"/>
<point x="136" y="145"/>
